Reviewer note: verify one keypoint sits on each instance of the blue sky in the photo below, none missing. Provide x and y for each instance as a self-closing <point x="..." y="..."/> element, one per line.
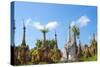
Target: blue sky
<point x="63" y="15"/>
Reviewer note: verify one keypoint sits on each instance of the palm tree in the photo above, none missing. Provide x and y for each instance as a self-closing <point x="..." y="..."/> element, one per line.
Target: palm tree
<point x="79" y="53"/>
<point x="44" y="31"/>
<point x="45" y="50"/>
<point x="76" y="33"/>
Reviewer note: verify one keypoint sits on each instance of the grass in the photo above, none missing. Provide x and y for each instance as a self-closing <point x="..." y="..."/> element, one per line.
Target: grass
<point x="93" y="58"/>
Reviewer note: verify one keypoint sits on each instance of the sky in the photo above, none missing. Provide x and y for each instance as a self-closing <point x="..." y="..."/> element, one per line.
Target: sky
<point x="54" y="17"/>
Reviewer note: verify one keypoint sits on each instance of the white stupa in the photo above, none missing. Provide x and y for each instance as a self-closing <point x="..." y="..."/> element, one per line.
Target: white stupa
<point x="71" y="47"/>
<point x="64" y="53"/>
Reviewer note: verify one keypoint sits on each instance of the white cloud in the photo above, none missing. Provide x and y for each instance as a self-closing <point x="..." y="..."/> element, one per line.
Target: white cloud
<point x="51" y="25"/>
<point x="81" y="21"/>
<point x="38" y="26"/>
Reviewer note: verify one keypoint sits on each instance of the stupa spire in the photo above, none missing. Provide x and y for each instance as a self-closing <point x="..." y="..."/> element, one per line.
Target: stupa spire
<point x="69" y="35"/>
<point x="56" y="39"/>
<point x="24" y="32"/>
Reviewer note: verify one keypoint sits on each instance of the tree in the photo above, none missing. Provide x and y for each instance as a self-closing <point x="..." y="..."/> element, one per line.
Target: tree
<point x="55" y="55"/>
<point x="39" y="43"/>
<point x="94" y="45"/>
<point x="44" y="31"/>
<point x="76" y="33"/>
<point x="37" y="55"/>
<point x="79" y="53"/>
<point x="49" y="43"/>
<point x="86" y="51"/>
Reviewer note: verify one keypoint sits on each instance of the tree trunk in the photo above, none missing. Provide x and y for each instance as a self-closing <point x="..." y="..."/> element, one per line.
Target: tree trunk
<point x="44" y="34"/>
<point x="75" y="44"/>
<point x="75" y="47"/>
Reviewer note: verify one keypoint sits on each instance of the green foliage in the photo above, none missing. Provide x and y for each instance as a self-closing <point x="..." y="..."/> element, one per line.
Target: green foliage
<point x="38" y="56"/>
<point x="39" y="43"/>
<point x="55" y="55"/>
<point x="35" y="56"/>
<point x="94" y="46"/>
<point x="49" y="43"/>
<point x="93" y="58"/>
<point x="44" y="30"/>
<point x="75" y="30"/>
<point x="86" y="52"/>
